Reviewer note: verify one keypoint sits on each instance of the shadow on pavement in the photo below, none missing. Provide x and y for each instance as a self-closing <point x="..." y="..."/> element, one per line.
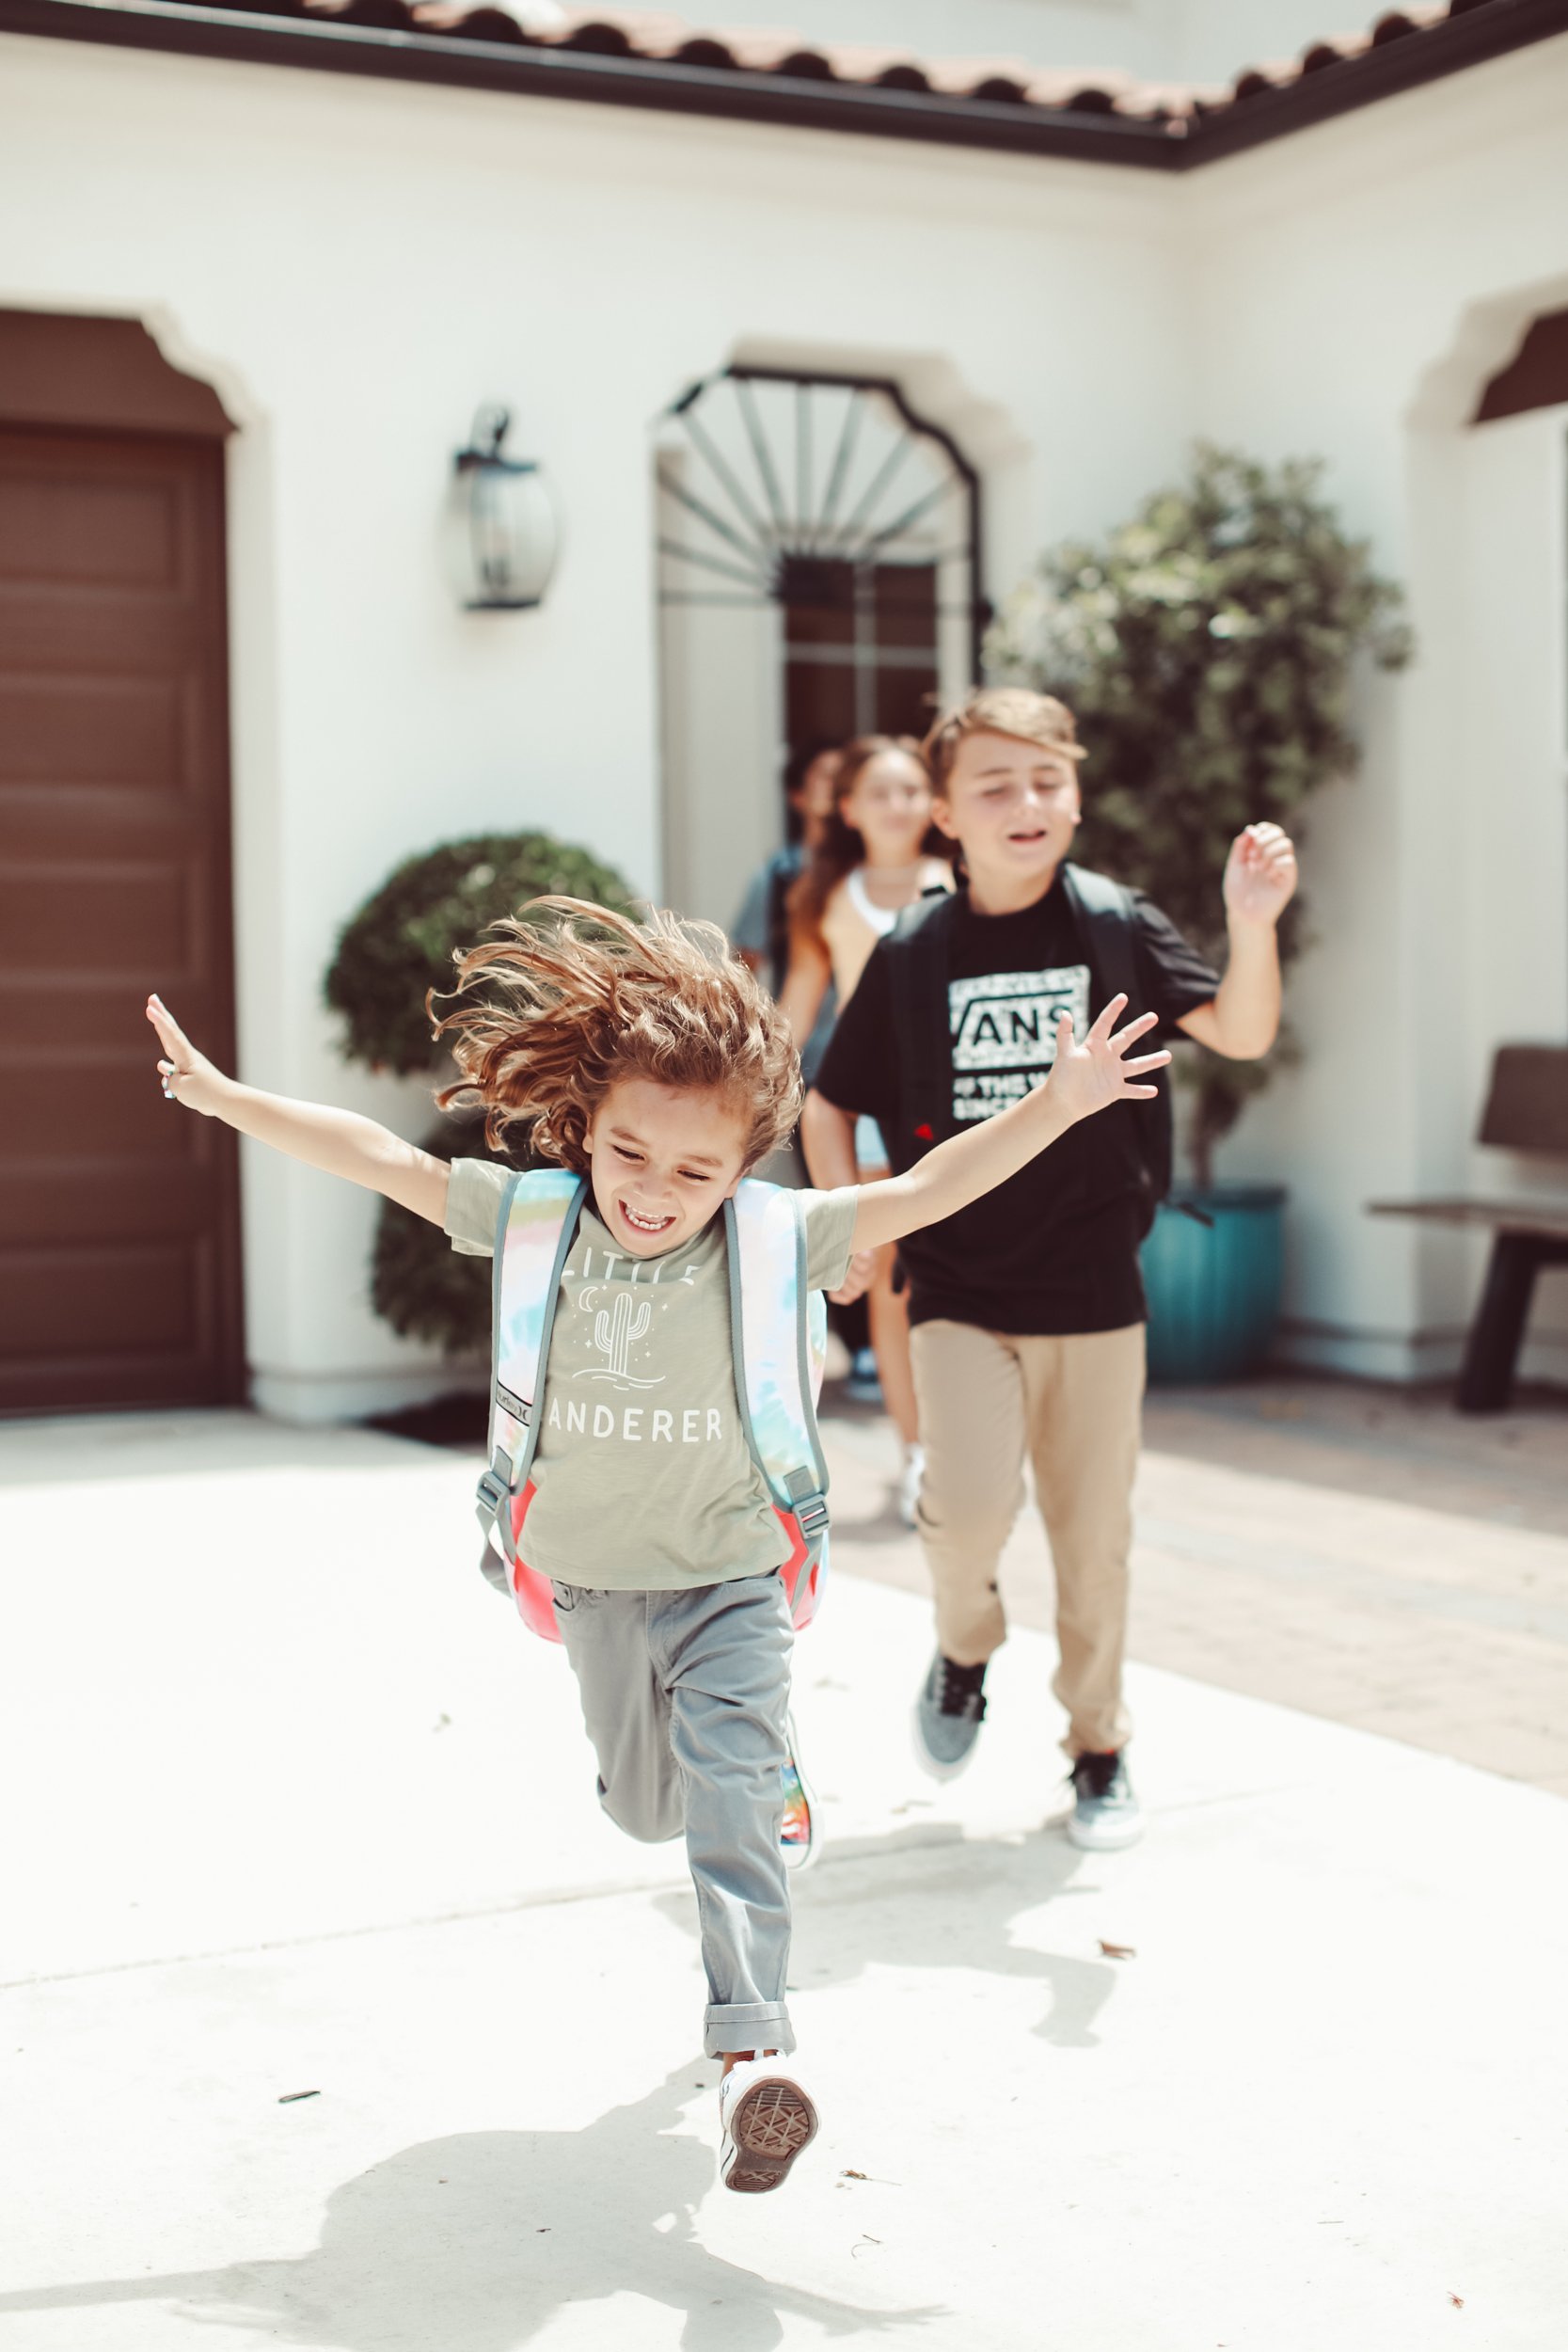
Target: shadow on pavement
<point x="475" y="2243"/>
<point x="940" y="1902"/>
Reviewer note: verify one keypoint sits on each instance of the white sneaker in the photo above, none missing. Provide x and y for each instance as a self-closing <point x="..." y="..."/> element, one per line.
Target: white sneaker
<point x="909" y="1484"/>
<point x="767" y="2118"/>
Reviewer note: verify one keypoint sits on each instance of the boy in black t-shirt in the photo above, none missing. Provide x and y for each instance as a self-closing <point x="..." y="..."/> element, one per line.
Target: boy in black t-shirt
<point x="1027" y="1310"/>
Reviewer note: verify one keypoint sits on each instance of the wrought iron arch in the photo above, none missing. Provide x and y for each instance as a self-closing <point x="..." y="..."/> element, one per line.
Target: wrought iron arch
<point x="830" y="497"/>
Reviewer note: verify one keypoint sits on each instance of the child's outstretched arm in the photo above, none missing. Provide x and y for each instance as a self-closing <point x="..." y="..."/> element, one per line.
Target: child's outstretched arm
<point x="340" y="1142"/>
<point x="1083" y="1079"/>
<point x="1241" y="1019"/>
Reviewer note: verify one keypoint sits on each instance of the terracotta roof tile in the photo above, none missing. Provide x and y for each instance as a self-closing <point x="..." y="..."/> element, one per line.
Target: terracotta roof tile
<point x="991" y="99"/>
<point x="658" y="37"/>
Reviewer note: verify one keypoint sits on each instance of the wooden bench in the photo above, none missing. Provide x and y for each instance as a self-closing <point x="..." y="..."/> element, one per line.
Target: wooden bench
<point x="1527" y="1110"/>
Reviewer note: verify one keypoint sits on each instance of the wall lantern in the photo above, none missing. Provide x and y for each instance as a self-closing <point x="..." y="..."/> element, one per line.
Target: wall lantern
<point x="505" y="537"/>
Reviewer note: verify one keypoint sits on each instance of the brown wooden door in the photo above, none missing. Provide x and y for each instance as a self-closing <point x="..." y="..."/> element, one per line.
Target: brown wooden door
<point x="119" y="1212"/>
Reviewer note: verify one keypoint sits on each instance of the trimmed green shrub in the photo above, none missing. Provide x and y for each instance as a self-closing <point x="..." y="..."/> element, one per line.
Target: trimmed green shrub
<point x="400" y="943"/>
<point x="419" y="1283"/>
<point x="1207" y="650"/>
<point x="403" y="940"/>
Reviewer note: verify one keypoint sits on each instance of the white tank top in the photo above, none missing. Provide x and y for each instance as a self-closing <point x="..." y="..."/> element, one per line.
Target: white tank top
<point x="852" y="922"/>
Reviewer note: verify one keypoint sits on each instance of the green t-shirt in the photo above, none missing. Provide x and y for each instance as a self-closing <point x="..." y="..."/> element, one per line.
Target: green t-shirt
<point x="643" y="1480"/>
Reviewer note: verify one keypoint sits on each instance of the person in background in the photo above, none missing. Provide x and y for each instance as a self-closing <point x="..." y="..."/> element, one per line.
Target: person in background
<point x="875" y="856"/>
<point x="1028" y="1311"/>
<point x="760" y="932"/>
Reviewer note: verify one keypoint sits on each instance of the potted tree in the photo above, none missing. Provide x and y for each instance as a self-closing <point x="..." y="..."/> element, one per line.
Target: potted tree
<point x="1207" y="648"/>
<point x="400" y="945"/>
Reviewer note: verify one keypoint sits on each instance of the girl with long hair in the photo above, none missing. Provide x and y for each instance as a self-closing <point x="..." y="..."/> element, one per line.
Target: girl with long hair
<point x="648" y="1060"/>
<point x="878" y="853"/>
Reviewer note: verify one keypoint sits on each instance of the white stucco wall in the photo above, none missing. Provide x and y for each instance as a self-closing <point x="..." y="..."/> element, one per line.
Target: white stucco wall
<point x="356" y="265"/>
<point x="1353" y="289"/>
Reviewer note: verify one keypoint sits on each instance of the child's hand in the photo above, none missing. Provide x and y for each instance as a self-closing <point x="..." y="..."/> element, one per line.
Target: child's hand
<point x="1090" y="1077"/>
<point x="187" y="1076"/>
<point x="861" y="1273"/>
<point x="1259" y="875"/>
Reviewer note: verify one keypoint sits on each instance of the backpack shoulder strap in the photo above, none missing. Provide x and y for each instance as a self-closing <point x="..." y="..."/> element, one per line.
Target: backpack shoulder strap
<point x="1108" y="923"/>
<point x="534" y="1226"/>
<point x="1105" y="912"/>
<point x="779" y="1334"/>
<point x="917" y="947"/>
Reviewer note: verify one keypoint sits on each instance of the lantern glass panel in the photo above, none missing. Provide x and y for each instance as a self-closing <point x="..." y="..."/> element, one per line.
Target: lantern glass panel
<point x="505" y="537"/>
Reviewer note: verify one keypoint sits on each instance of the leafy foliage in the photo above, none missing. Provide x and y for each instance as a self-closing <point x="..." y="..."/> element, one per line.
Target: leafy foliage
<point x="400" y="943"/>
<point x="1207" y="650"/>
<point x="403" y="940"/>
<point x="419" y="1284"/>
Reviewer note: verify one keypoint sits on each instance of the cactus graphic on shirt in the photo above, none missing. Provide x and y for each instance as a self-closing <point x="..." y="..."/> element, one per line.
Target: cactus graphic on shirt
<point x="615" y="1331"/>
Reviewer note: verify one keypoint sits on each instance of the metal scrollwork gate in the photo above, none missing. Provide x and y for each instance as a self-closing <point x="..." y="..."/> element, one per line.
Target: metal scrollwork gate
<point x="847" y="527"/>
<point x="828" y="497"/>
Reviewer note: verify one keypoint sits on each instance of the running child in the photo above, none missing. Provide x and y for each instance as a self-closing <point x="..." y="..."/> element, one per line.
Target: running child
<point x="648" y="1061"/>
<point x="1027" y="1317"/>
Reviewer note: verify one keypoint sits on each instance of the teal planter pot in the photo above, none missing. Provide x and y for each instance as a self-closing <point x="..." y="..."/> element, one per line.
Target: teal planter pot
<point x="1213" y="1290"/>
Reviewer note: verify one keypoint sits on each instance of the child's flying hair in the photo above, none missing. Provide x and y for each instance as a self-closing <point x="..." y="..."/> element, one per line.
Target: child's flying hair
<point x="585" y="998"/>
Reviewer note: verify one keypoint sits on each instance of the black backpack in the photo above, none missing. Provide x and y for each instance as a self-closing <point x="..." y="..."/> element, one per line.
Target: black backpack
<point x="918" y="953"/>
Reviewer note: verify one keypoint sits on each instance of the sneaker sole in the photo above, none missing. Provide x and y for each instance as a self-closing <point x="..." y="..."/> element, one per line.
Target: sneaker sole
<point x="932" y="1766"/>
<point x="1110" y="1840"/>
<point x="771" y="2123"/>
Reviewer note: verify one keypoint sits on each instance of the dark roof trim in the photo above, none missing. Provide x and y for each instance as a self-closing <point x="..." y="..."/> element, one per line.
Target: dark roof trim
<point x="1258" y="112"/>
<point x="539" y="73"/>
<point x="1480" y="30"/>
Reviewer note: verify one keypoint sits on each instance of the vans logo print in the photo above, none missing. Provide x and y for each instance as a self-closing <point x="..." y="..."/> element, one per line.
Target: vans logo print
<point x="1004" y="1033"/>
<point x="1008" y="1019"/>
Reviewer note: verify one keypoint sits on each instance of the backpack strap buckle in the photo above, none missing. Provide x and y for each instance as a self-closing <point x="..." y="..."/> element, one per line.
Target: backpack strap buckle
<point x="495" y="1492"/>
<point x="808" y="1501"/>
<point x="493" y="1500"/>
<point x="811" y="1515"/>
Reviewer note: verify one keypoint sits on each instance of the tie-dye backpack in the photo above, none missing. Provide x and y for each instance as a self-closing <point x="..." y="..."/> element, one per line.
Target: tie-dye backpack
<point x="778" y="1330"/>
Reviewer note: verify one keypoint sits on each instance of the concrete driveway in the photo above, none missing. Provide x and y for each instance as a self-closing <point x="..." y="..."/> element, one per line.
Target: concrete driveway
<point x="293" y="1806"/>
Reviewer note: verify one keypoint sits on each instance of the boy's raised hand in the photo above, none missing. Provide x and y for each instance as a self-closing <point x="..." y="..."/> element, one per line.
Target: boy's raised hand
<point x="1259" y="875"/>
<point x="185" y="1075"/>
<point x="1090" y="1077"/>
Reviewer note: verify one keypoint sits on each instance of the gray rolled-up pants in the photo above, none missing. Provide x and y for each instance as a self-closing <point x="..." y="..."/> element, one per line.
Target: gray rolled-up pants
<point x="685" y="1698"/>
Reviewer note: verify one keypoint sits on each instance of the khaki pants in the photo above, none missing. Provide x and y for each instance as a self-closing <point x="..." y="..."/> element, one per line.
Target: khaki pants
<point x="1073" y="1405"/>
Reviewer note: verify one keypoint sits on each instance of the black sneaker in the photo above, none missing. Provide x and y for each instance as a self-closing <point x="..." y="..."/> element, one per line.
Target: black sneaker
<point x="947" y="1717"/>
<point x="1105" y="1813"/>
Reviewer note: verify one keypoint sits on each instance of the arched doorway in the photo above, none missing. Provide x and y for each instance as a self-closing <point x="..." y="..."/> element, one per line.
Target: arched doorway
<point x="119" y="1219"/>
<point x="820" y="576"/>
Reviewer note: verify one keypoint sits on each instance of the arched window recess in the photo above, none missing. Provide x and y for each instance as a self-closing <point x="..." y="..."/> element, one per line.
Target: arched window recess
<point x="832" y="500"/>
